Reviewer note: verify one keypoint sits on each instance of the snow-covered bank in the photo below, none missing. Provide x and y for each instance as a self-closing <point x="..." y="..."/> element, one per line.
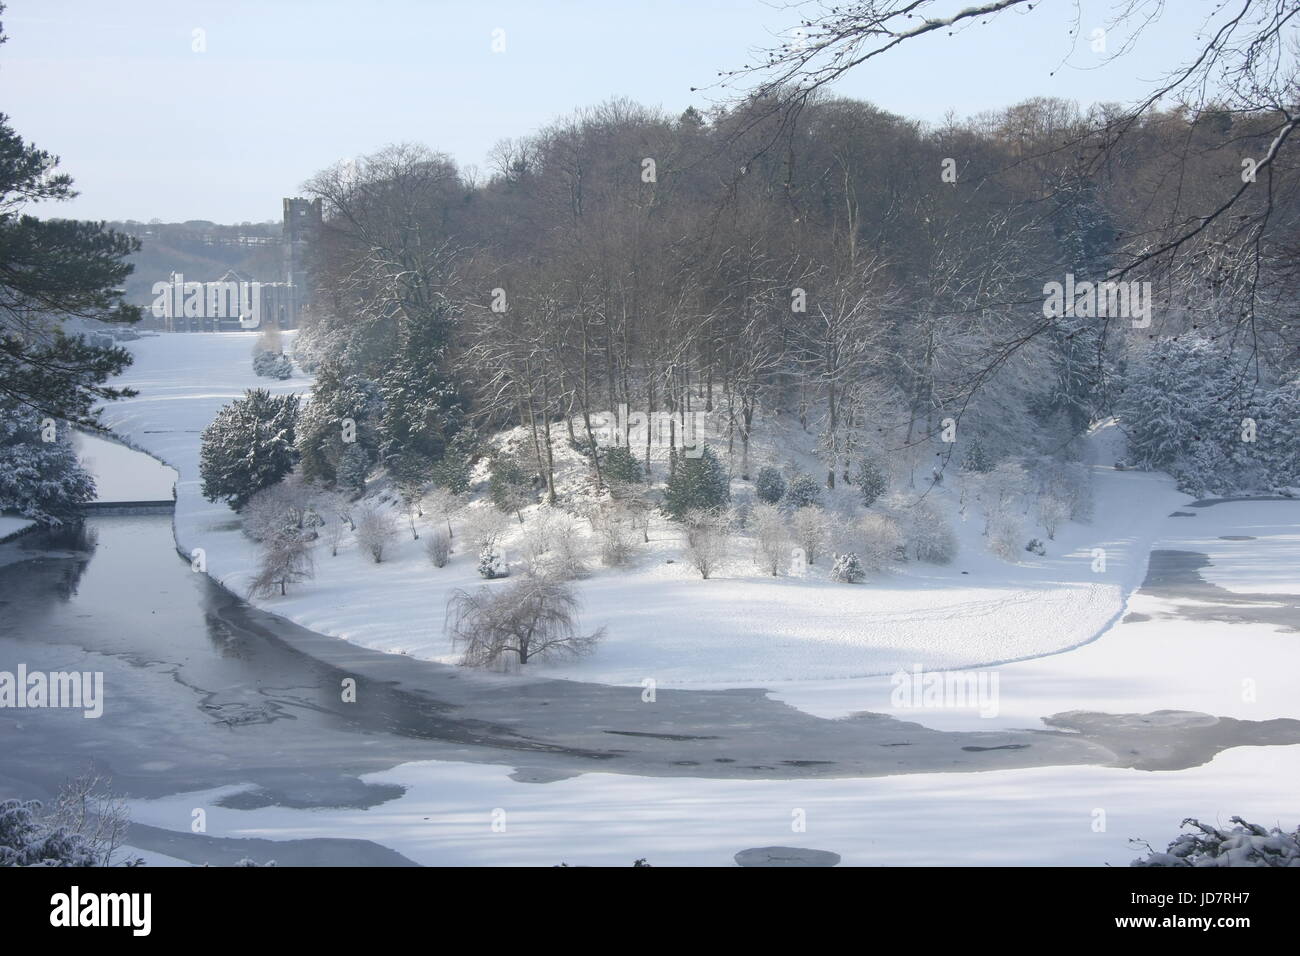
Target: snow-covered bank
<point x="122" y="474"/>
<point x="1063" y="816"/>
<point x="1161" y="656"/>
<point x="664" y="622"/>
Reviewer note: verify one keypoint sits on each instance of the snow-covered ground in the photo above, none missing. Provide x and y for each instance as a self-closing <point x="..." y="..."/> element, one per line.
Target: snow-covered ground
<point x="663" y="621"/>
<point x="122" y="474"/>
<point x="13" y="524"/>
<point x="1045" y="816"/>
<point x="745" y="628"/>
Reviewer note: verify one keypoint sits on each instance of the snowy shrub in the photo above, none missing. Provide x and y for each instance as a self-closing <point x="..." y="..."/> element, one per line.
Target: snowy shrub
<point x="847" y="568"/>
<point x="438" y="546"/>
<point x="1246" y="844"/>
<point x="616" y="533"/>
<point x="285" y="507"/>
<point x="618" y="466"/>
<point x="272" y="365"/>
<point x="1005" y="536"/>
<point x="249" y="446"/>
<point x="375" y="529"/>
<point x="506" y="628"/>
<point x="802" y="492"/>
<point x="769" y="485"/>
<point x="491" y="565"/>
<point x="1053" y="511"/>
<point x="1000" y="489"/>
<point x="695" y="484"/>
<point x="882" y="540"/>
<point x="705" y="539"/>
<point x="552" y="545"/>
<point x="870" y="480"/>
<point x="482" y="527"/>
<point x="87" y="807"/>
<point x="1036" y="547"/>
<point x="929" y="536"/>
<point x="26" y="841"/>
<point x="771" y="539"/>
<point x="809" y="528"/>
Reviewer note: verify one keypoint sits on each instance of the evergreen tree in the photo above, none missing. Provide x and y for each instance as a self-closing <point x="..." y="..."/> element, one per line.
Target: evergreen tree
<point x="423" y="409"/>
<point x="696" y="484"/>
<point x="870" y="480"/>
<point x="770" y="485"/>
<point x="249" y="446"/>
<point x="52" y="270"/>
<point x="803" y="490"/>
<point x="353" y="468"/>
<point x="977" y="458"/>
<point x="337" y="397"/>
<point x="620" y="466"/>
<point x="511" y="484"/>
<point x="41" y="480"/>
<point x="453" y="470"/>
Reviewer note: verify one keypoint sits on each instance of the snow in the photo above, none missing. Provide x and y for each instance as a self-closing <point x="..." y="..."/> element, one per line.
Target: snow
<point x="13" y="524"/>
<point x="122" y="474"/>
<point x="1141" y="665"/>
<point x="664" y="622"/>
<point x="1037" y="817"/>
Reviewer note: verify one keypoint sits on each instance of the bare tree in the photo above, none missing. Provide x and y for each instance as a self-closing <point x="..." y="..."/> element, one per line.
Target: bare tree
<point x="506" y="627"/>
<point x="771" y="539"/>
<point x="87" y="806"/>
<point x="810" y="528"/>
<point x="286" y="559"/>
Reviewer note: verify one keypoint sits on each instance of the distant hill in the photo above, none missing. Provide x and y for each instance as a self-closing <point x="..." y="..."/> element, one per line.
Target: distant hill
<point x="203" y="251"/>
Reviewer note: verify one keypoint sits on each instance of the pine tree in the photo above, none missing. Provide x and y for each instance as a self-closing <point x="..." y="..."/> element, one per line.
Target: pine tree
<point x="56" y="269"/>
<point x="353" y="469"/>
<point x="696" y="484"/>
<point x="870" y="480"/>
<point x="41" y="480"/>
<point x="769" y="485"/>
<point x="620" y="466"/>
<point x="802" y="492"/>
<point x="337" y="398"/>
<point x="249" y="446"/>
<point x="423" y="408"/>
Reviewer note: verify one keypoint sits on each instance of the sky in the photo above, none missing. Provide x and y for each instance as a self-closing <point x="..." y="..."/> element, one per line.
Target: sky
<point x="186" y="109"/>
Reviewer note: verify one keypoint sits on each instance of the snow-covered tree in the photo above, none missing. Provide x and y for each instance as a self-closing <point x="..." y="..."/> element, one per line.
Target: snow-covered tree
<point x="696" y="484"/>
<point x="506" y="627"/>
<point x="1053" y="511"/>
<point x="375" y="529"/>
<point x="882" y="540"/>
<point x="438" y="546"/>
<point x="619" y="466"/>
<point x="870" y="479"/>
<point x="42" y="480"/>
<point x="705" y="539"/>
<point x="769" y="485"/>
<point x="249" y="446"/>
<point x="286" y="559"/>
<point x="929" y="536"/>
<point x="1245" y="844"/>
<point x="802" y="492"/>
<point x="847" y="568"/>
<point x="353" y="468"/>
<point x="810" y="527"/>
<point x="25" y="840"/>
<point x="771" y="538"/>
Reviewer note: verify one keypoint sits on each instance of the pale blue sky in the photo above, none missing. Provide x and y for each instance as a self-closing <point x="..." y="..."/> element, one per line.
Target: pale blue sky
<point x="149" y="128"/>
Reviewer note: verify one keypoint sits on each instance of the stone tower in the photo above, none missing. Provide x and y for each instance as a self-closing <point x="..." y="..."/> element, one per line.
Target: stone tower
<point x="302" y="220"/>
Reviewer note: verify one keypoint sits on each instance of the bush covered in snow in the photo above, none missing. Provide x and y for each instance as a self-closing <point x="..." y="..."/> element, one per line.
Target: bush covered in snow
<point x="847" y="568"/>
<point x="437" y="545"/>
<point x="769" y="486"/>
<point x="802" y="492"/>
<point x="491" y="564"/>
<point x="929" y="536"/>
<point x="705" y="539"/>
<point x="771" y="538"/>
<point x="809" y="528"/>
<point x="272" y="365"/>
<point x="618" y="466"/>
<point x="375" y="529"/>
<point x="1245" y="844"/>
<point x="882" y="540"/>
